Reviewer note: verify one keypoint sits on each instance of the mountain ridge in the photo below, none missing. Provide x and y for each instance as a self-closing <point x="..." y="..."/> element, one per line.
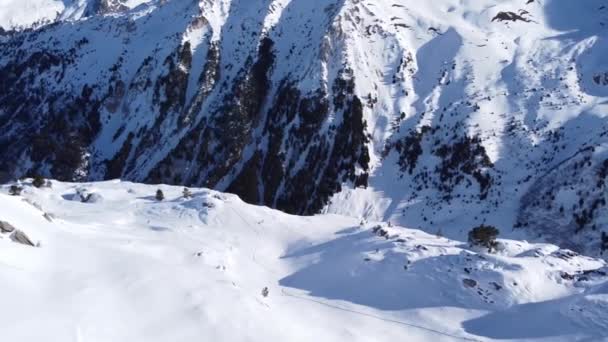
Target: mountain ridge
<point x="437" y="116"/>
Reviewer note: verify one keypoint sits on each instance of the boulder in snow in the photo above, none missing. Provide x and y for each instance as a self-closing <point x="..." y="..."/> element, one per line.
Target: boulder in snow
<point x="469" y="283"/>
<point x="6" y="227"/>
<point x="20" y="237"/>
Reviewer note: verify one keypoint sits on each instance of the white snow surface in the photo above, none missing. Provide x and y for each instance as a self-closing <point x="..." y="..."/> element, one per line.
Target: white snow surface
<point x="126" y="267"/>
<point x="19" y="14"/>
<point x="15" y="13"/>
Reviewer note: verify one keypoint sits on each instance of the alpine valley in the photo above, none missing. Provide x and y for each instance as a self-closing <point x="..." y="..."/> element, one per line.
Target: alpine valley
<point x="365" y="138"/>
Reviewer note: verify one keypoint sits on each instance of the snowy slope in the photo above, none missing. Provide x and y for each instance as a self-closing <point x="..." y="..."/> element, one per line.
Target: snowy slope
<point x="125" y="267"/>
<point x="438" y="115"/>
<point x="480" y="111"/>
<point x="21" y="14"/>
<point x="24" y="13"/>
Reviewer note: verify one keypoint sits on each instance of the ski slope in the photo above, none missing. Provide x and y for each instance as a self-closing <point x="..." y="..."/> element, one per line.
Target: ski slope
<point x="126" y="267"/>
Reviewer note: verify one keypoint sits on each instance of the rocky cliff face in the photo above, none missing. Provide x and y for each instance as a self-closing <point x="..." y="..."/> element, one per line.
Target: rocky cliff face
<point x="207" y="100"/>
<point x="433" y="115"/>
<point x="105" y="6"/>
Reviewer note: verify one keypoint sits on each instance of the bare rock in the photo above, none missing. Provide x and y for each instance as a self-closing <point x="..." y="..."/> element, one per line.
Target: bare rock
<point x="511" y="16"/>
<point x="48" y="216"/>
<point x="20" y="237"/>
<point x="469" y="283"/>
<point x="6" y="227"/>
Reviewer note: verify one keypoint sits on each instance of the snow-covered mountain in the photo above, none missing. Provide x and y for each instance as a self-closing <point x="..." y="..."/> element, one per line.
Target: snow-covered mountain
<point x="112" y="263"/>
<point x="26" y="14"/>
<point x="438" y="115"/>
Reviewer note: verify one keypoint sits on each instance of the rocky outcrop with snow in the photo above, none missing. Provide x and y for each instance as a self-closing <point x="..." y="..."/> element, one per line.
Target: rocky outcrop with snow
<point x="435" y="115"/>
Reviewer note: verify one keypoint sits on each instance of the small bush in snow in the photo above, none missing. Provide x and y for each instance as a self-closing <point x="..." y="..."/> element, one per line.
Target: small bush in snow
<point x="186" y="193"/>
<point x="159" y="195"/>
<point x="484" y="236"/>
<point x="15" y="190"/>
<point x="38" y="181"/>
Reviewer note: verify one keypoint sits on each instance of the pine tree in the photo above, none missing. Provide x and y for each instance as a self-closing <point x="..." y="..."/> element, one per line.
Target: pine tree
<point x="159" y="195"/>
<point x="15" y="190"/>
<point x="38" y="181"/>
<point x="484" y="236"/>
